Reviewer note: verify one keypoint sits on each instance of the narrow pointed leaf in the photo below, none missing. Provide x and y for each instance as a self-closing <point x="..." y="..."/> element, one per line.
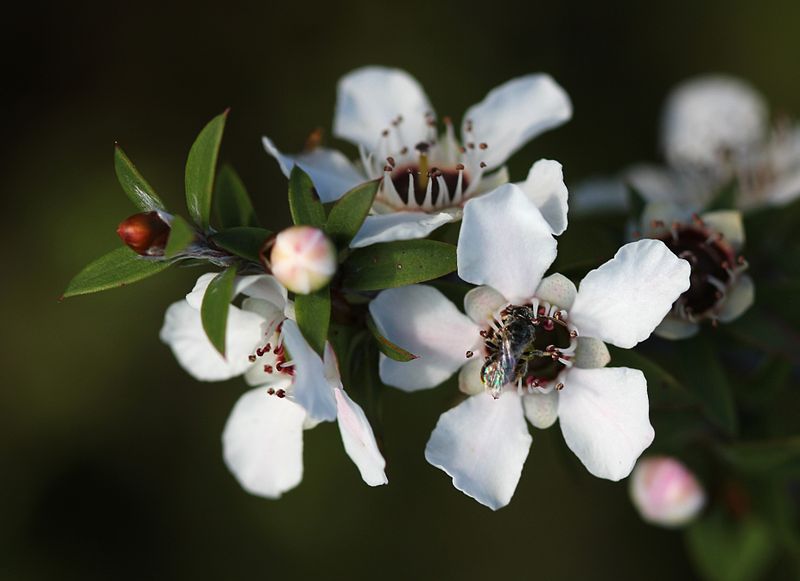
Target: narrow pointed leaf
<point x="313" y="313"/>
<point x="393" y="264"/>
<point x="388" y="348"/>
<point x="133" y="183"/>
<point x="765" y="456"/>
<point x="115" y="269"/>
<point x="349" y="212"/>
<point x="214" y="310"/>
<point x="234" y="207"/>
<point x="200" y="169"/>
<point x="181" y="235"/>
<point x="244" y="241"/>
<point x="304" y="203"/>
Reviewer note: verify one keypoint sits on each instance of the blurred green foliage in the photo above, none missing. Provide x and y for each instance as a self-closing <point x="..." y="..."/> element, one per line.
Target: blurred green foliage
<point x="111" y="454"/>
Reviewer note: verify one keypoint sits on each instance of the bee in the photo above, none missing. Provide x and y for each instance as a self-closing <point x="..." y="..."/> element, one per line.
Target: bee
<point x="510" y="347"/>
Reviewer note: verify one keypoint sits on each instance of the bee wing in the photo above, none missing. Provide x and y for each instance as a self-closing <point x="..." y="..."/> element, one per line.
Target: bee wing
<point x="507" y="359"/>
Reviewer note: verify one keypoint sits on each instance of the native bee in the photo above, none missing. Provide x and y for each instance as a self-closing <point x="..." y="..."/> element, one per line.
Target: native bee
<point x="510" y="347"/>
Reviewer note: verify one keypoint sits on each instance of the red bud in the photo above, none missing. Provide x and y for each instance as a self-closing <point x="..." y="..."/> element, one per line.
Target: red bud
<point x="145" y="233"/>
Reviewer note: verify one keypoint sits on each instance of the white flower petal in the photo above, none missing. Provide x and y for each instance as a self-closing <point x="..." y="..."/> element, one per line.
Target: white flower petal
<point x="591" y="353"/>
<point x="310" y="387"/>
<point x="740" y="297"/>
<point x="369" y="99"/>
<point x="183" y="332"/>
<point x="675" y="328"/>
<point x="557" y="290"/>
<point x="469" y="378"/>
<point x="195" y="296"/>
<point x="604" y="418"/>
<point x="264" y="287"/>
<point x="359" y="441"/>
<point x="330" y="171"/>
<point x="545" y="187"/>
<point x="482" y="444"/>
<point x="729" y="224"/>
<point x="263" y="443"/>
<point x="708" y="117"/>
<point x="514" y="113"/>
<point x="424" y="322"/>
<point x="505" y="243"/>
<point x="541" y="409"/>
<point x="627" y="297"/>
<point x="481" y="303"/>
<point x="398" y="226"/>
<point x="491" y="181"/>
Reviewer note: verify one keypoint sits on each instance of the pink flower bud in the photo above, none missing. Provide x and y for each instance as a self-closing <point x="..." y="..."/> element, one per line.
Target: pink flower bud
<point x="665" y="492"/>
<point x="303" y="259"/>
<point x="145" y="233"/>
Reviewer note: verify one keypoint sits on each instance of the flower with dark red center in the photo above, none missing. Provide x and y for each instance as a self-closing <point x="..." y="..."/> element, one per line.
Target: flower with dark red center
<point x="530" y="347"/>
<point x="294" y="388"/>
<point x="720" y="291"/>
<point x="428" y="176"/>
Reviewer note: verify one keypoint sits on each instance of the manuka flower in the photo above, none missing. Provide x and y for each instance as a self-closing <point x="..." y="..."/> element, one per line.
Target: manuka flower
<point x="716" y="131"/>
<point x="535" y="345"/>
<point x="295" y="388"/>
<point x="427" y="177"/>
<point x="720" y="291"/>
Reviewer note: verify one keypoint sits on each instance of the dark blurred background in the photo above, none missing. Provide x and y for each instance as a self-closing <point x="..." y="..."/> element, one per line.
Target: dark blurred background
<point x="110" y="453"/>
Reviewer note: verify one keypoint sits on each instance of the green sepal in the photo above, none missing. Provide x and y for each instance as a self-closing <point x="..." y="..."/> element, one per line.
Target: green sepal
<point x="113" y="270"/>
<point x="181" y="235"/>
<point x="766" y="456"/>
<point x="140" y="192"/>
<point x="232" y="201"/>
<point x="349" y="213"/>
<point x="304" y="203"/>
<point x="394" y="264"/>
<point x="313" y="314"/>
<point x="244" y="241"/>
<point x="201" y="168"/>
<point x="388" y="348"/>
<point x="215" y="307"/>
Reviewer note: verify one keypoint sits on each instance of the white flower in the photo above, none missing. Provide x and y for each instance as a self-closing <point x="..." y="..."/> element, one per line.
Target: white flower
<point x="427" y="177"/>
<point x="720" y="291"/>
<point x="506" y="245"/>
<point x="296" y="389"/>
<point x="665" y="492"/>
<point x="715" y="132"/>
<point x="303" y="259"/>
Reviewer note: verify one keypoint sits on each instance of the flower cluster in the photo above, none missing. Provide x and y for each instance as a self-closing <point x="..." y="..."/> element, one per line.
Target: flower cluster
<point x="365" y="291"/>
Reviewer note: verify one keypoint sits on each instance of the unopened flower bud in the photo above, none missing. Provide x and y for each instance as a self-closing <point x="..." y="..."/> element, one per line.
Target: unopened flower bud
<point x="303" y="259"/>
<point x="665" y="492"/>
<point x="145" y="233"/>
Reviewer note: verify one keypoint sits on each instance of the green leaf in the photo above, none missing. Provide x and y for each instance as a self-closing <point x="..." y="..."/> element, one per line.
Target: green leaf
<point x="766" y="456"/>
<point x="234" y="207"/>
<point x="115" y="269"/>
<point x="393" y="264"/>
<point x="244" y="241"/>
<point x="313" y="312"/>
<point x="725" y="199"/>
<point x="304" y="203"/>
<point x="724" y="549"/>
<point x="181" y="235"/>
<point x="139" y="191"/>
<point x="348" y="214"/>
<point x="388" y="348"/>
<point x="706" y="379"/>
<point x="214" y="310"/>
<point x="200" y="169"/>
